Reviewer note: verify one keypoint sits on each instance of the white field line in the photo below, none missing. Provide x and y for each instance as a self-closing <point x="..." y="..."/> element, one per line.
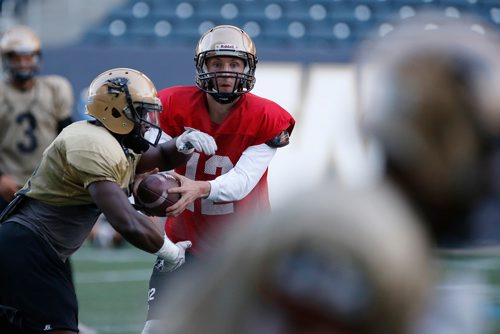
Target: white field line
<point x="113" y="276"/>
<point x="104" y="256"/>
<point x="119" y="329"/>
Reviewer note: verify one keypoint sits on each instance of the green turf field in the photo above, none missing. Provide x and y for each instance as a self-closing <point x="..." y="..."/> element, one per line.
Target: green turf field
<point x="481" y="267"/>
<point x="111" y="285"/>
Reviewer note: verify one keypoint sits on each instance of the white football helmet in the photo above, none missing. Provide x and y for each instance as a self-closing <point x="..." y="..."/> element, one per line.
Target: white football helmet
<point x="225" y="40"/>
<point x="20" y="40"/>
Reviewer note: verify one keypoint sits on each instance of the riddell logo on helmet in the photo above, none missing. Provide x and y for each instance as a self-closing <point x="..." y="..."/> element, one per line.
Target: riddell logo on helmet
<point x="225" y="46"/>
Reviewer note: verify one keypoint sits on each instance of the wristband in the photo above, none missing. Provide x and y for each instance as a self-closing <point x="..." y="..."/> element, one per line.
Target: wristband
<point x="184" y="148"/>
<point x="169" y="251"/>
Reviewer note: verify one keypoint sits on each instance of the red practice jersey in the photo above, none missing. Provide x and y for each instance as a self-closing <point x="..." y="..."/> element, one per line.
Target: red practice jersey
<point x="252" y="121"/>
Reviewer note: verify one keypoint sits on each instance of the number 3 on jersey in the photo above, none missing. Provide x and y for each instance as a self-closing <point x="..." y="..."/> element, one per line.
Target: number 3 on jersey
<point x="30" y="124"/>
<point x="212" y="165"/>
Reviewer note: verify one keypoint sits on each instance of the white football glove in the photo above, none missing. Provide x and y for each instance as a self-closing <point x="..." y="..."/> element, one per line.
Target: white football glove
<point x="173" y="255"/>
<point x="193" y="139"/>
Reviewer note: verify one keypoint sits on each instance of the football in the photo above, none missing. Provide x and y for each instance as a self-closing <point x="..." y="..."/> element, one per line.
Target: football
<point x="152" y="194"/>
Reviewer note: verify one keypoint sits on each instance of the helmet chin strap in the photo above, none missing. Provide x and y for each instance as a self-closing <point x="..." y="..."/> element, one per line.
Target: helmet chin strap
<point x="135" y="141"/>
<point x="223" y="98"/>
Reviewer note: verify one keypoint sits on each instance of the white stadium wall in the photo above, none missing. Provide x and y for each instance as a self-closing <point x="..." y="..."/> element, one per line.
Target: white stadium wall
<point x="326" y="141"/>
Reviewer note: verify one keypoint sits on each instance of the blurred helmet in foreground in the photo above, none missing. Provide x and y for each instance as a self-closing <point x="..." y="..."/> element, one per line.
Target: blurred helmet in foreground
<point x="343" y="262"/>
<point x="430" y="99"/>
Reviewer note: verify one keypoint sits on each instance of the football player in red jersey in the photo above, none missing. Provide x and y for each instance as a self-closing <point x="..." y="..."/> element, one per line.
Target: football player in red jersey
<point x="248" y="129"/>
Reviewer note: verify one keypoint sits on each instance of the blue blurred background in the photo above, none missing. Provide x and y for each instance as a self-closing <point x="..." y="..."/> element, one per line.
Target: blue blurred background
<point x="82" y="38"/>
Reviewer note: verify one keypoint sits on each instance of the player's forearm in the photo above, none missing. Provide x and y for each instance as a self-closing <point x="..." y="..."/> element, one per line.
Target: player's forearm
<point x="143" y="233"/>
<point x="7" y="187"/>
<point x="136" y="228"/>
<point x="240" y="180"/>
<point x="164" y="156"/>
<point x="171" y="156"/>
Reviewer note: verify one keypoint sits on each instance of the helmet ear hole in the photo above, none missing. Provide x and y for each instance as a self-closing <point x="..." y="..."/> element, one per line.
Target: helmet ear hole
<point x="115" y="113"/>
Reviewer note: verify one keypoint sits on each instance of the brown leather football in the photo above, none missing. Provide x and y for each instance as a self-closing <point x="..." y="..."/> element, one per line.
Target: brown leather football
<point x="153" y="196"/>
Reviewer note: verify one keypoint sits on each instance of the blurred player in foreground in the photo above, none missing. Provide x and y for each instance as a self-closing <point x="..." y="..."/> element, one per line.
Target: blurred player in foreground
<point x="434" y="109"/>
<point x="33" y="109"/>
<point x="248" y="130"/>
<point x="88" y="169"/>
<point x="336" y="261"/>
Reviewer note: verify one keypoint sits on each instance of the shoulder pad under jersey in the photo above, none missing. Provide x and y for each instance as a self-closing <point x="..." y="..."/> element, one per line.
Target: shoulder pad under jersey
<point x="280" y="140"/>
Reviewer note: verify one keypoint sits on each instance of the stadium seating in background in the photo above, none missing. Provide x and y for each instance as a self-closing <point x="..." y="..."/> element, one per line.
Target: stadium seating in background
<point x="282" y="23"/>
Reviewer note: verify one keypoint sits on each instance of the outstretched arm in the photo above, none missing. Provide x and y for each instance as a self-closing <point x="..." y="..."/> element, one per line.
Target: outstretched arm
<point x="135" y="227"/>
<point x="232" y="186"/>
<point x="164" y="156"/>
<point x="173" y="152"/>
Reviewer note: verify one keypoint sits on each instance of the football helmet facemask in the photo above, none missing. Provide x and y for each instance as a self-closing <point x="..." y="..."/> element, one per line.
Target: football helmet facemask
<point x="20" y="41"/>
<point x="125" y="101"/>
<point x="228" y="41"/>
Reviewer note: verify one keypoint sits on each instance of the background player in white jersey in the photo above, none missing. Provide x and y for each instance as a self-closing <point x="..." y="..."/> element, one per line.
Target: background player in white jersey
<point x="87" y="170"/>
<point x="222" y="188"/>
<point x="33" y="109"/>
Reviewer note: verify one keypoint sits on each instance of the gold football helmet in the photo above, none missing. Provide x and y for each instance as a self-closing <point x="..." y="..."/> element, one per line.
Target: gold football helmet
<point x="125" y="101"/>
<point x="228" y="41"/>
<point x="17" y="41"/>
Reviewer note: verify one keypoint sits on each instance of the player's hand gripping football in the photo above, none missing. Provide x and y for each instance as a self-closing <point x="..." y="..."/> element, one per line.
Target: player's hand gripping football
<point x="139" y="177"/>
<point x="193" y="139"/>
<point x="189" y="190"/>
